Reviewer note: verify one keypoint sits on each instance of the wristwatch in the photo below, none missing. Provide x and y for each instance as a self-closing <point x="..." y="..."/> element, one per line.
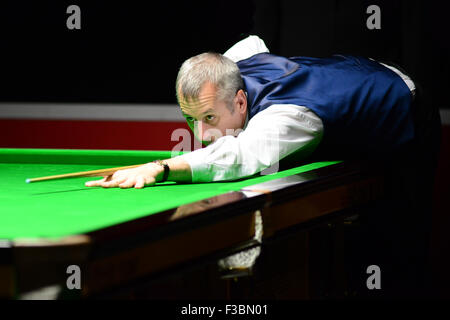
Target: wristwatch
<point x="166" y="169"/>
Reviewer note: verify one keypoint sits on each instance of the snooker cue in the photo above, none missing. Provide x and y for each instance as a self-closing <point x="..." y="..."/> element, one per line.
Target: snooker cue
<point x="91" y="173"/>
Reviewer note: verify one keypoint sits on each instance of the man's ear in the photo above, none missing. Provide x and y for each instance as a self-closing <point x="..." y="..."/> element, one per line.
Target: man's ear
<point x="241" y="100"/>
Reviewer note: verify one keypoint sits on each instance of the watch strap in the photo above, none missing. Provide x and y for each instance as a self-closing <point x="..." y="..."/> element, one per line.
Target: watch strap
<point x="166" y="169"/>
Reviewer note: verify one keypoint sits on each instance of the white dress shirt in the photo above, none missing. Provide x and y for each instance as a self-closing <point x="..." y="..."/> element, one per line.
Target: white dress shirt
<point x="268" y="137"/>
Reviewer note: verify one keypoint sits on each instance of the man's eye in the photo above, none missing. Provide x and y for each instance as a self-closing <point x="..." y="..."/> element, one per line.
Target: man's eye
<point x="210" y="118"/>
<point x="189" y="119"/>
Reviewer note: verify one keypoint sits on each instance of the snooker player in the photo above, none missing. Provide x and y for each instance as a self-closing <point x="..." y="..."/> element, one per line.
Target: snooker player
<point x="252" y="109"/>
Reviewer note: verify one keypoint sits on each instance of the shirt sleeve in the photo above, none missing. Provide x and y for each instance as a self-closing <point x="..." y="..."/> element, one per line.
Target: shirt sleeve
<point x="270" y="135"/>
<point x="246" y="48"/>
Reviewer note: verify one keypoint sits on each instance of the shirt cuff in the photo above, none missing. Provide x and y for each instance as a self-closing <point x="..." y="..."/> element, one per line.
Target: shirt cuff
<point x="199" y="169"/>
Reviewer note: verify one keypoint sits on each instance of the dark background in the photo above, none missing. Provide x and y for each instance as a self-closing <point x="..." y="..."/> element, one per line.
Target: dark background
<point x="130" y="52"/>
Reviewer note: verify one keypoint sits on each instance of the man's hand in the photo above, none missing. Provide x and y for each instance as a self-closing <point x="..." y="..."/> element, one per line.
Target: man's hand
<point x="145" y="175"/>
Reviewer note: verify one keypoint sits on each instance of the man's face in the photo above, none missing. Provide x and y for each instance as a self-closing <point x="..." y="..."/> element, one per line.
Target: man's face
<point x="210" y="118"/>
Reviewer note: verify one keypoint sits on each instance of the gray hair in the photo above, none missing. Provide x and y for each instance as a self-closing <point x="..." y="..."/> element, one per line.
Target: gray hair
<point x="209" y="67"/>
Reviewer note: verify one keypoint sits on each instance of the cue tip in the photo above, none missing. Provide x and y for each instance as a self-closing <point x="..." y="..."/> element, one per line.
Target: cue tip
<point x="27" y="180"/>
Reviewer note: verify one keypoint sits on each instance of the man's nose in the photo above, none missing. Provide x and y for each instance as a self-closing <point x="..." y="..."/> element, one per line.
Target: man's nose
<point x="206" y="134"/>
<point x="200" y="130"/>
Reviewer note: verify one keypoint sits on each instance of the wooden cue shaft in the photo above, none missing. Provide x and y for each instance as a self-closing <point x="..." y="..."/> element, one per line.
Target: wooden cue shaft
<point x="91" y="173"/>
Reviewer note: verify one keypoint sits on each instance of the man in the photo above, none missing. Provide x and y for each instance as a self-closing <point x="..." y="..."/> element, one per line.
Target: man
<point x="253" y="109"/>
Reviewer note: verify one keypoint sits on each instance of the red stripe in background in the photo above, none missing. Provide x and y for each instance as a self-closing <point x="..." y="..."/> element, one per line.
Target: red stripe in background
<point x="73" y="134"/>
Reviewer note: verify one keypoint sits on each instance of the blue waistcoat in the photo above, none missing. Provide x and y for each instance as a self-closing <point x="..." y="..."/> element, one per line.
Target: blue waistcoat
<point x="363" y="105"/>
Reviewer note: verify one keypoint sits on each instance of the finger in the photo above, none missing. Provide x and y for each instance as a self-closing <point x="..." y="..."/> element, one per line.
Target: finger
<point x="94" y="183"/>
<point x="127" y="183"/>
<point x="140" y="182"/>
<point x="113" y="183"/>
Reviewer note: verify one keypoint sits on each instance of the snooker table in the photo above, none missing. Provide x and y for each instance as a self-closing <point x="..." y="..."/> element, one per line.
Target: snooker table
<point x="119" y="236"/>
